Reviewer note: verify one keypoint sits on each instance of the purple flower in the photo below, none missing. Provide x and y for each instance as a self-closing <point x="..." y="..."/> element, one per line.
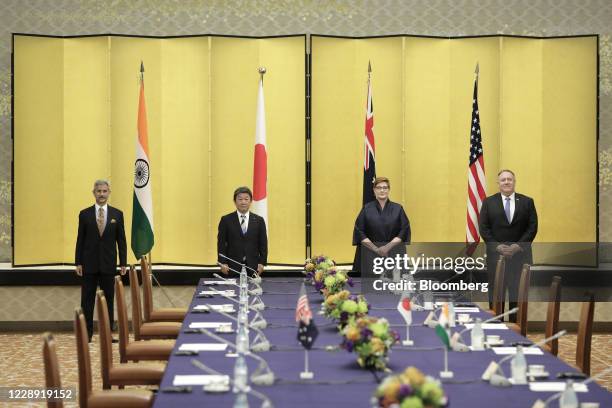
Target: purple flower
<point x="404" y="391"/>
<point x="350" y="281"/>
<point x="344" y="316"/>
<point x="318" y="285"/>
<point x="332" y="271"/>
<point x="366" y="333"/>
<point x="348" y="345"/>
<point x="354" y="298"/>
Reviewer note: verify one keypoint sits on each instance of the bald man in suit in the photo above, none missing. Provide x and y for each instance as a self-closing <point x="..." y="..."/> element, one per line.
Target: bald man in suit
<point x="508" y="225"/>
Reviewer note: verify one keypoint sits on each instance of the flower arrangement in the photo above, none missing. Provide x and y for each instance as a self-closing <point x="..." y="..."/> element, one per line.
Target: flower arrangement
<point x="323" y="274"/>
<point x="343" y="306"/>
<point x="371" y="338"/>
<point x="410" y="389"/>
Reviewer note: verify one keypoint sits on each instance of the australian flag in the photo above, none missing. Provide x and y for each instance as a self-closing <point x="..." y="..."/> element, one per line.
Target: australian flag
<point x="307" y="331"/>
<point x="369" y="157"/>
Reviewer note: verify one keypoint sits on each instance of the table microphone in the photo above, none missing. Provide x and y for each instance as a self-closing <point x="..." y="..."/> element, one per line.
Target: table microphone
<point x="258" y="377"/>
<point x="256" y="278"/>
<point x="543" y="404"/>
<point x="260" y="342"/>
<point x="456" y="340"/>
<point x="265" y="401"/>
<point x="254" y="292"/>
<point x="494" y="373"/>
<point x="255" y="307"/>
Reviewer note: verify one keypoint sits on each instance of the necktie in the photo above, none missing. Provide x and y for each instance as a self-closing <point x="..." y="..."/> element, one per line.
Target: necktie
<point x="243" y="225"/>
<point x="507" y="210"/>
<point x="100" y="220"/>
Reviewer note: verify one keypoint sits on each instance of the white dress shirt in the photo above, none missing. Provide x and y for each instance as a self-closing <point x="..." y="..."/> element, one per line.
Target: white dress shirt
<point x="246" y="220"/>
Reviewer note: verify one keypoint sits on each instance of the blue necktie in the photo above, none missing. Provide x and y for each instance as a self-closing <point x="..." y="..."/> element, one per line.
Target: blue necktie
<point x="507" y="210"/>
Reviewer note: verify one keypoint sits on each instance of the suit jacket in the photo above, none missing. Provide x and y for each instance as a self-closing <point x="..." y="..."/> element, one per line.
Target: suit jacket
<point x="98" y="254"/>
<point x="495" y="228"/>
<point x="232" y="243"/>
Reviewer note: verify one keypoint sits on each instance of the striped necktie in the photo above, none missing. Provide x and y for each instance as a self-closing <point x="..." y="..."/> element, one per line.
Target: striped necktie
<point x="243" y="225"/>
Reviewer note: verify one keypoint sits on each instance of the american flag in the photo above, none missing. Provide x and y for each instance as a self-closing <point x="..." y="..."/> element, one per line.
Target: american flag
<point x="476" y="175"/>
<point x="369" y="161"/>
<point x="302" y="310"/>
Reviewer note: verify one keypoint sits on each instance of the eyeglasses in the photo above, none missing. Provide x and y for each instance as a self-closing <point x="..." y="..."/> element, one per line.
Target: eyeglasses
<point x="381" y="188"/>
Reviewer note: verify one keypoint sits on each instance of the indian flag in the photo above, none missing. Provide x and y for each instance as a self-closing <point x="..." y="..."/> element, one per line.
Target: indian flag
<point x="442" y="328"/>
<point x="142" y="211"/>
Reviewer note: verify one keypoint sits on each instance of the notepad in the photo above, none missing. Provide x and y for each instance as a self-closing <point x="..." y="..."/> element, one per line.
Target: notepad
<point x="220" y="282"/>
<point x="489" y="326"/>
<point x="208" y="325"/>
<point x="227" y="308"/>
<point x="199" y="379"/>
<point x="467" y="310"/>
<point x="512" y="350"/>
<point x="228" y="293"/>
<point x="203" y="347"/>
<point x="555" y="386"/>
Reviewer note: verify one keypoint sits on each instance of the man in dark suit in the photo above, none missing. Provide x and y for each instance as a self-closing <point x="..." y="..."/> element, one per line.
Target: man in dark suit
<point x="508" y="224"/>
<point x="101" y="232"/>
<point x="242" y="236"/>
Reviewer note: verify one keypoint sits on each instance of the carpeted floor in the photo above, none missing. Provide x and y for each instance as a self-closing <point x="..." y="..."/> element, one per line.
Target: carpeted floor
<point x="21" y="360"/>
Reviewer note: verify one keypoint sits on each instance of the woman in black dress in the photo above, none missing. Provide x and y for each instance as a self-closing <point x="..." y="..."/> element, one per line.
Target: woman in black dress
<point x="381" y="228"/>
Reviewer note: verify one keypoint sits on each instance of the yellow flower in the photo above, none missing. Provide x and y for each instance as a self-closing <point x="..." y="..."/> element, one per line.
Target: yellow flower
<point x="319" y="276"/>
<point x="344" y="294"/>
<point x="392" y="390"/>
<point x="352" y="334"/>
<point x="415" y="376"/>
<point x="377" y="345"/>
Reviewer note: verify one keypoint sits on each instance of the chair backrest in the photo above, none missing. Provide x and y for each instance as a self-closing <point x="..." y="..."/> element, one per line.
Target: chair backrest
<point x="52" y="372"/>
<point x="122" y="317"/>
<point x="585" y="332"/>
<point x="147" y="289"/>
<point x="136" y="305"/>
<point x="106" y="339"/>
<point x="552" y="313"/>
<point x="83" y="359"/>
<point x="498" y="289"/>
<point x="523" y="298"/>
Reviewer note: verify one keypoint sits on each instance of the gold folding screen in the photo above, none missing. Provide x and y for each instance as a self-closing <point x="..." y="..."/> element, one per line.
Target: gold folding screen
<point x="75" y="121"/>
<point x="538" y="110"/>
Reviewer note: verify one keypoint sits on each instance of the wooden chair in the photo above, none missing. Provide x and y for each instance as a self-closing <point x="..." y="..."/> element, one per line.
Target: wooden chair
<point x="121" y="374"/>
<point x="585" y="332"/>
<point x="499" y="295"/>
<point x="166" y="314"/>
<point x="523" y="302"/>
<point x="136" y="350"/>
<point x="52" y="372"/>
<point x="105" y="398"/>
<point x="552" y="315"/>
<point x="149" y="330"/>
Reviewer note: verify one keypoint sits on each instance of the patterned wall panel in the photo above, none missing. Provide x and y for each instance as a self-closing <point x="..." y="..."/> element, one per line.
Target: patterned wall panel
<point x="275" y="17"/>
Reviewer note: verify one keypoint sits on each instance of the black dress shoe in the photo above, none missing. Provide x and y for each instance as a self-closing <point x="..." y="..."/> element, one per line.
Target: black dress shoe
<point x="115" y="340"/>
<point x="89" y="339"/>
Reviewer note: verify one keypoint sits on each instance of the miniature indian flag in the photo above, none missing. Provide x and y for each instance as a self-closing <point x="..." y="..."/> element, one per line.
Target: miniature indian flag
<point x="442" y="328"/>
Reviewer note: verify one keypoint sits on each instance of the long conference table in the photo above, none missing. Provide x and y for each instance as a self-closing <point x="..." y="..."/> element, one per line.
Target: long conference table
<point x="338" y="380"/>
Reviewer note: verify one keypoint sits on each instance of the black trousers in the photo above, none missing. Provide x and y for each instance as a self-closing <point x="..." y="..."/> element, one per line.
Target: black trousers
<point x="88" y="296"/>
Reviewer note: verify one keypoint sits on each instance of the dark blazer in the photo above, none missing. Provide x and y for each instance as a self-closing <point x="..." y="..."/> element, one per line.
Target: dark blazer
<point x="98" y="254"/>
<point x="495" y="228"/>
<point x="232" y="243"/>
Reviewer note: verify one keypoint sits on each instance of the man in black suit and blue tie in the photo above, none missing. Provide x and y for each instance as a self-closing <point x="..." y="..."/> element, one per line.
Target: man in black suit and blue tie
<point x="242" y="236"/>
<point x="101" y="233"/>
<point x="508" y="224"/>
